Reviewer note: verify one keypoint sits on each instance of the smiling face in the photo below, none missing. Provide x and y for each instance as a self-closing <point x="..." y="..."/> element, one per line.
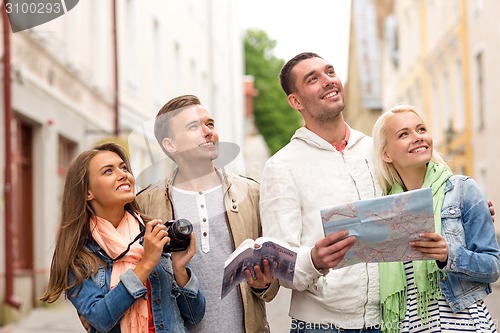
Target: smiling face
<point x="408" y="144"/>
<point x="318" y="92"/>
<point x="111" y="185"/>
<point x="193" y="136"/>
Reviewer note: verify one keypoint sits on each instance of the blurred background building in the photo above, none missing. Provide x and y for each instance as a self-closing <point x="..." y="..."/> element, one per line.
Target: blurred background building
<point x="440" y="56"/>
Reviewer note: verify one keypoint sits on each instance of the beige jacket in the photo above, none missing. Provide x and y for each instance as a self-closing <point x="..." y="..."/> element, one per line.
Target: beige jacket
<point x="241" y="199"/>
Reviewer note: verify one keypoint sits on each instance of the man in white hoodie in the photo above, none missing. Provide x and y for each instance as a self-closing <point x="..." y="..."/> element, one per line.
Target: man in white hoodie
<point x="326" y="163"/>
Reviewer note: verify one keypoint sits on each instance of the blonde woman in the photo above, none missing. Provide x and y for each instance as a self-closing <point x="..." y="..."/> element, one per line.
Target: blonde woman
<point x="444" y="294"/>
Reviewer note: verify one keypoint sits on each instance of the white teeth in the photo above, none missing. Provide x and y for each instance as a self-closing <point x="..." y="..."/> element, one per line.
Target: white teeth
<point x="418" y="150"/>
<point x="124" y="187"/>
<point x="207" y="144"/>
<point x="332" y="94"/>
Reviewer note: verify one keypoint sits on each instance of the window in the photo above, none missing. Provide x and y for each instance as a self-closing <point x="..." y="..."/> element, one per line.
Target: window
<point x="178" y="71"/>
<point x="448" y="123"/>
<point x="157" y="65"/>
<point x="391" y="33"/>
<point x="477" y="6"/>
<point x="436" y="130"/>
<point x="23" y="199"/>
<point x="480" y="90"/>
<point x="131" y="53"/>
<point x="460" y="100"/>
<point x="66" y="153"/>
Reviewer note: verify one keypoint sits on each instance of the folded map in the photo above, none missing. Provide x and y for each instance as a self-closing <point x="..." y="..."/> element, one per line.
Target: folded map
<point x="383" y="226"/>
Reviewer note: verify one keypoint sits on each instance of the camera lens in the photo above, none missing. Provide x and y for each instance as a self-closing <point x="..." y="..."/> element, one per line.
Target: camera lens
<point x="179" y="232"/>
<point x="184" y="227"/>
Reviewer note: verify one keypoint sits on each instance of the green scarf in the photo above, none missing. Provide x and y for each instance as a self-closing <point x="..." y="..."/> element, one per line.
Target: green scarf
<point x="393" y="288"/>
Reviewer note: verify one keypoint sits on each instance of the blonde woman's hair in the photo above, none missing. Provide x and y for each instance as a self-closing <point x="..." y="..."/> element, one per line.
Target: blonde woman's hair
<point x="386" y="173"/>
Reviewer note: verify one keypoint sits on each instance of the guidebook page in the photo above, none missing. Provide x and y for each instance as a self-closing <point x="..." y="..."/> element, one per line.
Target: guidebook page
<point x="250" y="253"/>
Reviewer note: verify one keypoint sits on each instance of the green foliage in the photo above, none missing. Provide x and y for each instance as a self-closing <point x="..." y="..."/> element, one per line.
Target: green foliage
<point x="274" y="118"/>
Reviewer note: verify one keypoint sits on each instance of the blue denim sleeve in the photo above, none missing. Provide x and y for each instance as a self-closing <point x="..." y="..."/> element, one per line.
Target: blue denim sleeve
<point x="104" y="310"/>
<point x="190" y="299"/>
<point x="133" y="284"/>
<point x="479" y="259"/>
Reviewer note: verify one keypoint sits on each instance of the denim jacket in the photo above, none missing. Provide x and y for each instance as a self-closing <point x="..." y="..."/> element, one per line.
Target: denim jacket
<point x="473" y="252"/>
<point x="171" y="305"/>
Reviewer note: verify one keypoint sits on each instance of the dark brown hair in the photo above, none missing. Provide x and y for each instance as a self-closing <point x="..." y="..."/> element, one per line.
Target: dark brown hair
<point x="74" y="230"/>
<point x="286" y="78"/>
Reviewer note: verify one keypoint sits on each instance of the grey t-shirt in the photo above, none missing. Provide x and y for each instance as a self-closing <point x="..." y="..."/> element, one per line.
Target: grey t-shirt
<point x="206" y="212"/>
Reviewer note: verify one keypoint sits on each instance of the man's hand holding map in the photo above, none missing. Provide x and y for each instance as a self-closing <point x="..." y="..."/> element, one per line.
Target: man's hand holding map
<point x="383" y="227"/>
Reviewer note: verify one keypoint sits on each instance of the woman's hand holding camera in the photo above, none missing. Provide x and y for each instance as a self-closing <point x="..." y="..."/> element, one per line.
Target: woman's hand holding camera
<point x="180" y="259"/>
<point x="155" y="237"/>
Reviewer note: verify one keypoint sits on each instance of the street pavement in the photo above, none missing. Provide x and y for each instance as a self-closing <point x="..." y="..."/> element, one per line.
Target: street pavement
<point x="58" y="318"/>
<point x="63" y="318"/>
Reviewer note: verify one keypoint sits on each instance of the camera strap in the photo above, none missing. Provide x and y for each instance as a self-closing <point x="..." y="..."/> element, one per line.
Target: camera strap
<point x="139" y="236"/>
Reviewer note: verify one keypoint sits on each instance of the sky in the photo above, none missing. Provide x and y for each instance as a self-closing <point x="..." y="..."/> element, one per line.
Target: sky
<point x="320" y="26"/>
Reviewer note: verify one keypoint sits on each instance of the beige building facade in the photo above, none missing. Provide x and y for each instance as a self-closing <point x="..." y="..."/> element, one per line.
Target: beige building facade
<point x="484" y="51"/>
<point x="441" y="56"/>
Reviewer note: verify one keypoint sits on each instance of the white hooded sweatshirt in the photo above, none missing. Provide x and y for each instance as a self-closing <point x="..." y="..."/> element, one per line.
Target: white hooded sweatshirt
<point x="305" y="175"/>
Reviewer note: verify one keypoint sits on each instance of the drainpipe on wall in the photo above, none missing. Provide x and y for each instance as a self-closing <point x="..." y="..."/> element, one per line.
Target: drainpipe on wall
<point x="115" y="74"/>
<point x="10" y="298"/>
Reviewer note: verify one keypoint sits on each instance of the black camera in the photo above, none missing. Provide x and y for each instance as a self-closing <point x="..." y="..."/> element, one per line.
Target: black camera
<point x="179" y="232"/>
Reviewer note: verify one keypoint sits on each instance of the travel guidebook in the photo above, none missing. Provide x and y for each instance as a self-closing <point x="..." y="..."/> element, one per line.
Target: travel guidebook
<point x="250" y="253"/>
<point x="383" y="226"/>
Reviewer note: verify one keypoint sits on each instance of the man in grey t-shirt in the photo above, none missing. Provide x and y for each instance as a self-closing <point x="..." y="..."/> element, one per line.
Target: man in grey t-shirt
<point x="223" y="209"/>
